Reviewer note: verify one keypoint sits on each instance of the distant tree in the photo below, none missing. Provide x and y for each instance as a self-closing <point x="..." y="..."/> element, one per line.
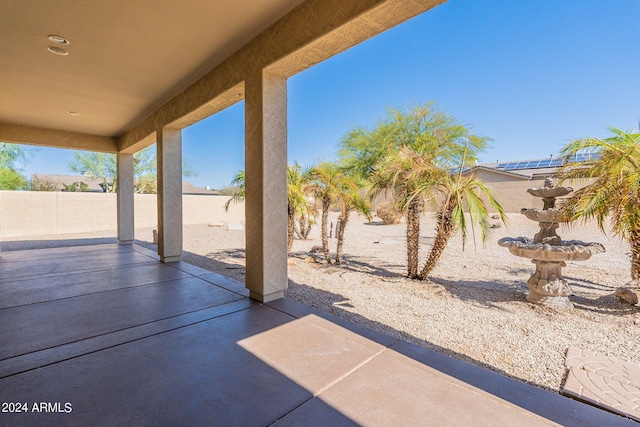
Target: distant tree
<point x="615" y="193"/>
<point x="76" y="187"/>
<point x="12" y="180"/>
<point x="12" y="157"/>
<point x="229" y="190"/>
<point x="96" y="165"/>
<point x="103" y="166"/>
<point x="43" y="184"/>
<point x="423" y="128"/>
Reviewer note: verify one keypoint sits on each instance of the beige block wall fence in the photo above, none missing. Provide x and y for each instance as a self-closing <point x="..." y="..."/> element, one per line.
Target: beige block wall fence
<point x="33" y="213"/>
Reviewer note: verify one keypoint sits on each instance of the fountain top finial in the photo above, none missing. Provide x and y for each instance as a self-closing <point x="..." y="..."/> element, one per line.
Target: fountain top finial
<point x="549" y="192"/>
<point x="549" y="183"/>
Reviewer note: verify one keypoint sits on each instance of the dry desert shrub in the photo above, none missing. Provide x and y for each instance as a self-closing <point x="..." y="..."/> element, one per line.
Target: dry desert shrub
<point x="388" y="213"/>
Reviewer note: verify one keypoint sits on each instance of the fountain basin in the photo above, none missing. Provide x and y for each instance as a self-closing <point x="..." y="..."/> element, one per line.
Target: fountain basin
<point x="568" y="250"/>
<point x="548" y="192"/>
<point x="548" y="216"/>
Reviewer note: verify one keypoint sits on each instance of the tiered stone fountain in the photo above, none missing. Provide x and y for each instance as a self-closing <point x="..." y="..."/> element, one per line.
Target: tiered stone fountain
<point x="547" y="251"/>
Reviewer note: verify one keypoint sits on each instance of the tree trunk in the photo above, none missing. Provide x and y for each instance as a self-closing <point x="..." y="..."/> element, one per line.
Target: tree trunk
<point x="291" y="214"/>
<point x="443" y="233"/>
<point x="413" y="238"/>
<point x="305" y="227"/>
<point x="342" y="224"/>
<point x="634" y="243"/>
<point x="326" y="204"/>
<point x="297" y="231"/>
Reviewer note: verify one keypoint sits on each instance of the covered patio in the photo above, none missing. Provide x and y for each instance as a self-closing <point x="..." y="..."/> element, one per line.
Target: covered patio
<point x="118" y="335"/>
<point x="108" y="335"/>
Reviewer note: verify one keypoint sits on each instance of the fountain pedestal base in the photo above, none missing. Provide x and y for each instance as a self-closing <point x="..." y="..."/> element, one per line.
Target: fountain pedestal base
<point x="547" y="287"/>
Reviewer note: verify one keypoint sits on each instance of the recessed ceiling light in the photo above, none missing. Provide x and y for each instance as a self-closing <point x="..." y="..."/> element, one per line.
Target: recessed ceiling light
<point x="57" y="39"/>
<point x="74" y="113"/>
<point x="57" y="50"/>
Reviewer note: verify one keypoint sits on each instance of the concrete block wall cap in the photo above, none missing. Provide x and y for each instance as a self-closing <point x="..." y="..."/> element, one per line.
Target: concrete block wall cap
<point x="233" y="226"/>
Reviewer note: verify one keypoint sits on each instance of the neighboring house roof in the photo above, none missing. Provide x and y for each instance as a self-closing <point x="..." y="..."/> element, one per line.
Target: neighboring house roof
<point x="59" y="181"/>
<point x="189" y="188"/>
<point x="514" y="174"/>
<point x="528" y="169"/>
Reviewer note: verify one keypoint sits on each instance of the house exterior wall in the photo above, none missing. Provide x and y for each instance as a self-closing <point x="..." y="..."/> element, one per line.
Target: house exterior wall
<point x="513" y="196"/>
<point x="33" y="213"/>
<point x="491" y="177"/>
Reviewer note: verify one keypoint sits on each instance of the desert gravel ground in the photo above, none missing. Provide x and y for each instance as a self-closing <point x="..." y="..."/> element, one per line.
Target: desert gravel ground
<point x="473" y="307"/>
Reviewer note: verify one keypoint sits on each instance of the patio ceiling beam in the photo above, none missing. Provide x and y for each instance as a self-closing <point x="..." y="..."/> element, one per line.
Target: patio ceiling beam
<point x="19" y="134"/>
<point x="311" y="33"/>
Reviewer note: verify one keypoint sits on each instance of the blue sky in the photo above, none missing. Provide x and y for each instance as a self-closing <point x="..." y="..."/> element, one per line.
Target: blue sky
<point x="531" y="75"/>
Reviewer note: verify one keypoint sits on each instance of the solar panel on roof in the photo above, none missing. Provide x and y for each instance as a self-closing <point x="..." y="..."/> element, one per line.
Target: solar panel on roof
<point x="584" y="157"/>
<point x="545" y="163"/>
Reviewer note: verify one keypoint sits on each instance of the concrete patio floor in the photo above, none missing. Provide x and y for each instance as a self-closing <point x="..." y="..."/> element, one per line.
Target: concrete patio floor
<point x="108" y="335"/>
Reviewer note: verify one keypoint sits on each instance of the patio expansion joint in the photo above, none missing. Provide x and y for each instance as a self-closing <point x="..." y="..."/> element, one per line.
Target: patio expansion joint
<point x="332" y="383"/>
<point x="159" y="282"/>
<point x="79" y="271"/>
<point x="62" y="251"/>
<point x="222" y="287"/>
<point x="117" y="331"/>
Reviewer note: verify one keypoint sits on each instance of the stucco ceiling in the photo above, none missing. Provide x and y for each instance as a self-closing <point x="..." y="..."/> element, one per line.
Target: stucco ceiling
<point x="125" y="58"/>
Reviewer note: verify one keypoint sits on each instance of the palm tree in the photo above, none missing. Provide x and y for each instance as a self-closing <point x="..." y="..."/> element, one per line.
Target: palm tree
<point x="305" y="222"/>
<point x="402" y="173"/>
<point x="325" y="181"/>
<point x="615" y="192"/>
<point x="298" y="206"/>
<point x="239" y="192"/>
<point x="349" y="199"/>
<point x="414" y="178"/>
<point x="455" y="192"/>
<point x="297" y="203"/>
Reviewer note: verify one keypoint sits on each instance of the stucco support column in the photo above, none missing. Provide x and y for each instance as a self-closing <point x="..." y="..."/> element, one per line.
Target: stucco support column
<point x="266" y="185"/>
<point x="125" y="190"/>
<point x="169" y="165"/>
